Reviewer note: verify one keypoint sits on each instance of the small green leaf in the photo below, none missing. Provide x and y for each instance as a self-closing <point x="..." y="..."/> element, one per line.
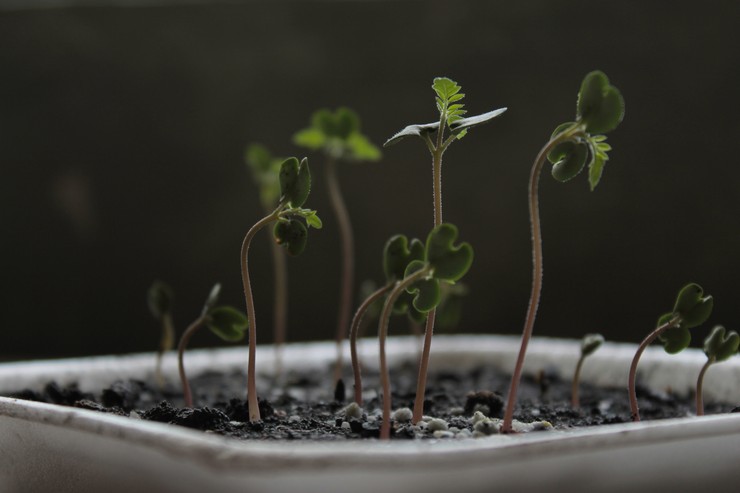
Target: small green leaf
<point x="572" y="159"/>
<point x="361" y="149"/>
<point x="160" y="298"/>
<point x="347" y="123"/>
<point x="313" y="220"/>
<point x="397" y="255"/>
<point x="595" y="169"/>
<point x="311" y="138"/>
<point x="258" y="158"/>
<point x="721" y="345"/>
<point x="212" y="297"/>
<point x="590" y="343"/>
<point x="692" y="306"/>
<point x="228" y="323"/>
<point x="291" y="234"/>
<point x="324" y="121"/>
<point x="675" y="339"/>
<point x="295" y="181"/>
<point x="600" y="105"/>
<point x="426" y="294"/>
<point x="450" y="262"/>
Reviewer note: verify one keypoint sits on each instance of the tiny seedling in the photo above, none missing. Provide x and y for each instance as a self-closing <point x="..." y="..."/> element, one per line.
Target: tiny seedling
<point x="266" y="174"/>
<point x="443" y="262"/>
<point x="718" y="346"/>
<point x="599" y="109"/>
<point x="692" y="308"/>
<point x="397" y="254"/>
<point x="338" y="135"/>
<point x="160" y="298"/>
<point x="290" y="232"/>
<point x="226" y="322"/>
<point x="451" y="111"/>
<point x="589" y="344"/>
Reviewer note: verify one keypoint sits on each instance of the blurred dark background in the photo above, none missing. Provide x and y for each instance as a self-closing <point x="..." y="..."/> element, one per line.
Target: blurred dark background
<point x="122" y="132"/>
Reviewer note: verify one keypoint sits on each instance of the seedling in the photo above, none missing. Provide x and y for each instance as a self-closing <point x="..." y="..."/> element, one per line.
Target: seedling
<point x="159" y="298"/>
<point x="266" y="173"/>
<point x="290" y="232"/>
<point x="692" y="308"/>
<point x="600" y="108"/>
<point x="226" y="322"/>
<point x="397" y="254"/>
<point x="589" y="344"/>
<point x="718" y="346"/>
<point x="338" y="136"/>
<point x="451" y="111"/>
<point x="443" y="262"/>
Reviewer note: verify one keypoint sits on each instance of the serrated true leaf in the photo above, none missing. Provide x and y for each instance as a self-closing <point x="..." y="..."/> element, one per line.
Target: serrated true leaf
<point x="595" y="170"/>
<point x="228" y="323"/>
<point x="721" y="345"/>
<point x="449" y="262"/>
<point x="398" y="253"/>
<point x="291" y="234"/>
<point x="295" y="181"/>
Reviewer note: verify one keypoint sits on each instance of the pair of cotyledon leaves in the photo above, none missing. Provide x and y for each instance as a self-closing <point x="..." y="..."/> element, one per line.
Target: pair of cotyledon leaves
<point x="338" y="134"/>
<point x="226" y="322"/>
<point x="444" y="261"/>
<point x="599" y="109"/>
<point x="720" y="344"/>
<point x="692" y="309"/>
<point x="295" y="185"/>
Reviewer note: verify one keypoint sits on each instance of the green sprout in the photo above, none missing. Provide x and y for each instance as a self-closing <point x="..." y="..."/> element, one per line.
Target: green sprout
<point x="451" y="111"/>
<point x="338" y="135"/>
<point x="397" y="254"/>
<point x="718" y="346"/>
<point x="443" y="262"/>
<point x="160" y="300"/>
<point x="226" y="322"/>
<point x="691" y="309"/>
<point x="600" y="108"/>
<point x="266" y="174"/>
<point x="589" y="344"/>
<point x="290" y="232"/>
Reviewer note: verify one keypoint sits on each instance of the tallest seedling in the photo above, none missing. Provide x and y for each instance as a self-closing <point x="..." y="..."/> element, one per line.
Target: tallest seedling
<point x="599" y="110"/>
<point x="451" y="120"/>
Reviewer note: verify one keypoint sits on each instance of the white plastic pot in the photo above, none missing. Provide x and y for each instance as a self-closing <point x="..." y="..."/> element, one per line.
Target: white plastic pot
<point x="52" y="448"/>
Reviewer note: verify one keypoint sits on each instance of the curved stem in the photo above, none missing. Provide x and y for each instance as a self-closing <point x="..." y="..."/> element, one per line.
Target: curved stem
<point x="634" y="409"/>
<point x="254" y="411"/>
<point x="353" y="334"/>
<point x="700" y="387"/>
<point x="280" y="304"/>
<point x="534" y="298"/>
<point x="385" y="428"/>
<point x="184" y="340"/>
<point x="575" y="401"/>
<point x="348" y="260"/>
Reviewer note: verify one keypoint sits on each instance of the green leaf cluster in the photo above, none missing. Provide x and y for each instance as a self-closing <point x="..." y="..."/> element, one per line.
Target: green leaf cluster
<point x="599" y="109"/>
<point x="338" y="134"/>
<point x="265" y="172"/>
<point x="226" y="322"/>
<point x="691" y="309"/>
<point x="295" y="186"/>
<point x="720" y="345"/>
<point x="448" y="97"/>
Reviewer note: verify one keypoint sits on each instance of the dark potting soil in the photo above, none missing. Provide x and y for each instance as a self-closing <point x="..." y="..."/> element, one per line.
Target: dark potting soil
<point x="308" y="406"/>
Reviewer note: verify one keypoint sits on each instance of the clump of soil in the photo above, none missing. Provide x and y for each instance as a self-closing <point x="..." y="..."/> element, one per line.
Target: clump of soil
<point x="308" y="406"/>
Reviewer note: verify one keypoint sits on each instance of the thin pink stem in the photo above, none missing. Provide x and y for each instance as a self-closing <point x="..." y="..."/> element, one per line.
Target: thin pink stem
<point x="575" y="401"/>
<point x="700" y="387"/>
<point x="354" y="334"/>
<point x="280" y="304"/>
<point x="184" y="340"/>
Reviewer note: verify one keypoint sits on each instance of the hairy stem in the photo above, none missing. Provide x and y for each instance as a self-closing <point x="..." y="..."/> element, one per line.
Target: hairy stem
<point x="348" y="260"/>
<point x="385" y="429"/>
<point x="354" y="334"/>
<point x="184" y="340"/>
<point x="575" y="401"/>
<point x="534" y="298"/>
<point x="280" y="304"/>
<point x="254" y="411"/>
<point x="165" y="344"/>
<point x="700" y="387"/>
<point x="634" y="409"/>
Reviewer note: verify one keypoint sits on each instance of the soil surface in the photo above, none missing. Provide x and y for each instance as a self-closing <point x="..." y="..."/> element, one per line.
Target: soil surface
<point x="308" y="406"/>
